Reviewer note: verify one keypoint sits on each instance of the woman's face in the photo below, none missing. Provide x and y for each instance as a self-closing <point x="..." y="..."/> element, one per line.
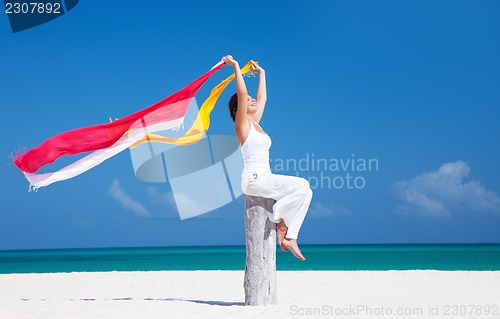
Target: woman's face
<point x="251" y="104"/>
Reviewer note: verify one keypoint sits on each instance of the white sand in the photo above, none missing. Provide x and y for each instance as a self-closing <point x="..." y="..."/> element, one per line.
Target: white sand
<point x="219" y="294"/>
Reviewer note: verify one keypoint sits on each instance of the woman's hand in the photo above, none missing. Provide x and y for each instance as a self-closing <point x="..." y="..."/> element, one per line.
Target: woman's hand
<point x="256" y="68"/>
<point x="230" y="61"/>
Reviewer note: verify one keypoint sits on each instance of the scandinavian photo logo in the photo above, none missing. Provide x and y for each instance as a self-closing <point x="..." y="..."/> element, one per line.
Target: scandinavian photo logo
<point x="329" y="173"/>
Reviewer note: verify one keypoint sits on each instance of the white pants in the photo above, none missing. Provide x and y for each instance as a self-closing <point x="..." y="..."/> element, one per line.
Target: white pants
<point x="292" y="194"/>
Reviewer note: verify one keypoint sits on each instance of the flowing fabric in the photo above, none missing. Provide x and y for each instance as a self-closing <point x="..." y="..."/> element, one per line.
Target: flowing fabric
<point x="202" y="122"/>
<point x="107" y="140"/>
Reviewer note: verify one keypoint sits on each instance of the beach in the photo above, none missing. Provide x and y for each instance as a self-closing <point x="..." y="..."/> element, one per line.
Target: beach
<point x="220" y="294"/>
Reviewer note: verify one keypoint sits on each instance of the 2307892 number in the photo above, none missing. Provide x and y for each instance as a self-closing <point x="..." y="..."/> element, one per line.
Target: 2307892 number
<point x="478" y="310"/>
<point x="32" y="7"/>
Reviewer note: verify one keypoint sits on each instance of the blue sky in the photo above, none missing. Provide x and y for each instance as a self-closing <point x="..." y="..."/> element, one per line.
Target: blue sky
<point x="410" y="84"/>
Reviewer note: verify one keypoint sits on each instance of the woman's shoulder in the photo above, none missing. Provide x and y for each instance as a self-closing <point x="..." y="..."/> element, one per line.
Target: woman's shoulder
<point x="243" y="130"/>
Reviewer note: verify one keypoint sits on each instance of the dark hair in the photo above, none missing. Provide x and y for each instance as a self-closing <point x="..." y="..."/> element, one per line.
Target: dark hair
<point x="233" y="106"/>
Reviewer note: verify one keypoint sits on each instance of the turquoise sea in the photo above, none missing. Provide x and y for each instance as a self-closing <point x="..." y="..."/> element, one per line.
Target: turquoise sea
<point x="319" y="257"/>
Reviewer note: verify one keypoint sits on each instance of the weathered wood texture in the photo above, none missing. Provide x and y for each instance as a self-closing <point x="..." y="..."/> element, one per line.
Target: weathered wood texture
<point x="260" y="270"/>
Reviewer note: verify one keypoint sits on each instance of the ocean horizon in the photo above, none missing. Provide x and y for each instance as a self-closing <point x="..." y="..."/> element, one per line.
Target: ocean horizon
<point x="319" y="257"/>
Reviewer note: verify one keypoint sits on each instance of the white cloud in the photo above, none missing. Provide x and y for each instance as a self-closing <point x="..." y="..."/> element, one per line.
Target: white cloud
<point x="117" y="192"/>
<point x="165" y="199"/>
<point x="187" y="204"/>
<point x="437" y="193"/>
<point x="158" y="197"/>
<point x="319" y="209"/>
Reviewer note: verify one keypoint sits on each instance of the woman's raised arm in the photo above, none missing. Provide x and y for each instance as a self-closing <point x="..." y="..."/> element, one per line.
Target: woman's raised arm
<point x="242" y="124"/>
<point x="261" y="91"/>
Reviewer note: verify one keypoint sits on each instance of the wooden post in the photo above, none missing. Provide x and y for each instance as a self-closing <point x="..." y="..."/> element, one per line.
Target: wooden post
<point x="260" y="270"/>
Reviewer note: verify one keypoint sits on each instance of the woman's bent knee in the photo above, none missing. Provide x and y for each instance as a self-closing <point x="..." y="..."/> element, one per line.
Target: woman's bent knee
<point x="304" y="184"/>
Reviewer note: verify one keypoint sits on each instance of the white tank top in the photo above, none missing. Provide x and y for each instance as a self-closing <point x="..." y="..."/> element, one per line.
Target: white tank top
<point x="255" y="151"/>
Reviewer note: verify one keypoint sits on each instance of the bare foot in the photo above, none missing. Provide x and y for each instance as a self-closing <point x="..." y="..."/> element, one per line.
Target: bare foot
<point x="294" y="248"/>
<point x="281" y="230"/>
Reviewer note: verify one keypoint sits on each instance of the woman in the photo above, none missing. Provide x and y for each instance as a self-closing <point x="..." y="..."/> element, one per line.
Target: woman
<point x="292" y="194"/>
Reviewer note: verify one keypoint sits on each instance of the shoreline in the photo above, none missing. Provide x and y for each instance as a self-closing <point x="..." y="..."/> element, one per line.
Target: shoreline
<point x="220" y="294"/>
<point x="242" y="271"/>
